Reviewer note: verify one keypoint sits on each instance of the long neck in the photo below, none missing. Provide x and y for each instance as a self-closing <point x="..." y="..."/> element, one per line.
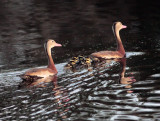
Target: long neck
<point x="50" y="60"/>
<point x="120" y="47"/>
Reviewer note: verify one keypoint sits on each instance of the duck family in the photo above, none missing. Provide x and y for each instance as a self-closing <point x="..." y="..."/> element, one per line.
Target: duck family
<point x="51" y="70"/>
<point x="97" y="56"/>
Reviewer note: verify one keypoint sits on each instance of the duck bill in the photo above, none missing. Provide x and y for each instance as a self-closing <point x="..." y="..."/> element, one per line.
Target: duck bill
<point x="57" y="45"/>
<point x="124" y="26"/>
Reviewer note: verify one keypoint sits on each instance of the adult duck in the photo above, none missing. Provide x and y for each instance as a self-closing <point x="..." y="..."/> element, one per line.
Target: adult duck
<point x="50" y="70"/>
<point x="120" y="52"/>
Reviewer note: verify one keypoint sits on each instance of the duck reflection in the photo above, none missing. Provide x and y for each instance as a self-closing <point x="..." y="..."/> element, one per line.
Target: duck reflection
<point x="124" y="79"/>
<point x="61" y="98"/>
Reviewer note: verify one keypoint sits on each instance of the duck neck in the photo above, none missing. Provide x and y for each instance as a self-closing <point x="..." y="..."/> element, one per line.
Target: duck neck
<point x="120" y="47"/>
<point x="50" y="60"/>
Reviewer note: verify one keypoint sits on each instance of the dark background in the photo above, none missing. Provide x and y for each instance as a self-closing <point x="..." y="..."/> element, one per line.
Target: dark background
<point x="82" y="27"/>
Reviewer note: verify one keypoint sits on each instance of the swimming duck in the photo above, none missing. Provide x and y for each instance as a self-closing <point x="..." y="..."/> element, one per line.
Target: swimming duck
<point x="50" y="70"/>
<point x="120" y="52"/>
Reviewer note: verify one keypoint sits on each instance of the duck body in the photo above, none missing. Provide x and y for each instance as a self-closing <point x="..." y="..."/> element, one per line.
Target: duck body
<point x="37" y="81"/>
<point x="50" y="70"/>
<point x="40" y="72"/>
<point x="108" y="54"/>
<point x="120" y="52"/>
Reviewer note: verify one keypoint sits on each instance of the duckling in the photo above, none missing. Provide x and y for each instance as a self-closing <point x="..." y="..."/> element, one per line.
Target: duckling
<point x="80" y="62"/>
<point x="72" y="63"/>
<point x="81" y="59"/>
<point x="88" y="61"/>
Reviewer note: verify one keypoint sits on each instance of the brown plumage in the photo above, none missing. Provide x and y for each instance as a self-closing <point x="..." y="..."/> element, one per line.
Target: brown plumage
<point x="37" y="82"/>
<point x="50" y="70"/>
<point x="120" y="52"/>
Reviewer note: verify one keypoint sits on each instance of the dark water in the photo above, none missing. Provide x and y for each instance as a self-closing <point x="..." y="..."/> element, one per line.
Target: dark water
<point x="124" y="90"/>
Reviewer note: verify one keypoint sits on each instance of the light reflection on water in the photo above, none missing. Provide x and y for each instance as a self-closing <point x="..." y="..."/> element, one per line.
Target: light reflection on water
<point x="103" y="93"/>
<point x="115" y="90"/>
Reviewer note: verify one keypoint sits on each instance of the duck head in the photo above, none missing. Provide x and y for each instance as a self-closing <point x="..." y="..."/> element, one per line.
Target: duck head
<point x="51" y="43"/>
<point x="118" y="26"/>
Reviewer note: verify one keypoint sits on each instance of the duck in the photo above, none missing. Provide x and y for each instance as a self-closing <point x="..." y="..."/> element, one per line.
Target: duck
<point x="50" y="70"/>
<point x="120" y="52"/>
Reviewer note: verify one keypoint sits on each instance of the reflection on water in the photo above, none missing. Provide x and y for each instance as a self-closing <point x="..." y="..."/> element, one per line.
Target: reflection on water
<point x="126" y="89"/>
<point x="125" y="79"/>
<point x="60" y="96"/>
